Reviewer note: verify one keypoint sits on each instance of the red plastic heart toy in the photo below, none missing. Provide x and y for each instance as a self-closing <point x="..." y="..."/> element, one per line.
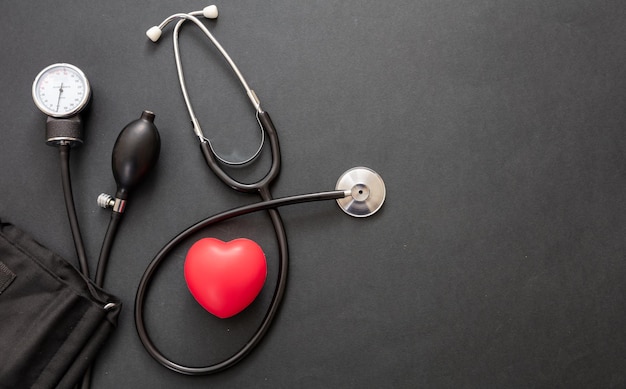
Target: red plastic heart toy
<point x="225" y="277"/>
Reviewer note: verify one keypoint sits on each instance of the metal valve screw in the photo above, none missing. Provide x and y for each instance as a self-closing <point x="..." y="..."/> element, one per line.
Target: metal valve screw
<point x="105" y="201"/>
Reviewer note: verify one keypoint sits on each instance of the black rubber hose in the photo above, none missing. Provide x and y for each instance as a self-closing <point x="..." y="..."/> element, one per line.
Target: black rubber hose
<point x="64" y="151"/>
<point x="278" y="292"/>
<point x="103" y="260"/>
<point x="107" y="244"/>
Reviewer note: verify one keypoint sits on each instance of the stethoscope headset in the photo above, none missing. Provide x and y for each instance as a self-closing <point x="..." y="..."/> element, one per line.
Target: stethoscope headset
<point x="360" y="192"/>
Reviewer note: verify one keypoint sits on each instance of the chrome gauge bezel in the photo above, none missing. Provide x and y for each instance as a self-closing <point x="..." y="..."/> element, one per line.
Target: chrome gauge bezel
<point x="74" y="108"/>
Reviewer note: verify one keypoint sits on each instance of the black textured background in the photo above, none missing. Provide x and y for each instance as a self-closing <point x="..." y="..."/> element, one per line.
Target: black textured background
<point x="498" y="259"/>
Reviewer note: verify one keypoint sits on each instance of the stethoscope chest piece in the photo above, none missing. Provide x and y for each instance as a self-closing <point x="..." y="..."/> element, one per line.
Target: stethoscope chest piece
<point x="367" y="192"/>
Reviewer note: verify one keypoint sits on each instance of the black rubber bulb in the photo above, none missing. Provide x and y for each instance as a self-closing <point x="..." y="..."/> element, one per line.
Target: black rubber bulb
<point x="135" y="153"/>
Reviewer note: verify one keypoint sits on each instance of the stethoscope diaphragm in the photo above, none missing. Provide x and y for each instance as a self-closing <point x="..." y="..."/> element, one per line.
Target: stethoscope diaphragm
<point x="367" y="192"/>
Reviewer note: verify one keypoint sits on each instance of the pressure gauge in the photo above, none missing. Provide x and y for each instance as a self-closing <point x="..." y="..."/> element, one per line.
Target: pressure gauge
<point x="61" y="90"/>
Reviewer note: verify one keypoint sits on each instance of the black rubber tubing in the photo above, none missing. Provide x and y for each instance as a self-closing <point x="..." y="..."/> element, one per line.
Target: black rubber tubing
<point x="144" y="283"/>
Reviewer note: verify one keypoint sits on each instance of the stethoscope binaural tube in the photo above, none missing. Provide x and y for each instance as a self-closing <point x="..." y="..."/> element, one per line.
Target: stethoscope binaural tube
<point x="268" y="127"/>
<point x="210" y="12"/>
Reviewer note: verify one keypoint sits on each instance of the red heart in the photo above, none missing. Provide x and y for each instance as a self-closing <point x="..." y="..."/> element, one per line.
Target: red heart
<point x="225" y="277"/>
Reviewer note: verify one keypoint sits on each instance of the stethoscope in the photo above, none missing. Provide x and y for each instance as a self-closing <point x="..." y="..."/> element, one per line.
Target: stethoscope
<point x="360" y="192"/>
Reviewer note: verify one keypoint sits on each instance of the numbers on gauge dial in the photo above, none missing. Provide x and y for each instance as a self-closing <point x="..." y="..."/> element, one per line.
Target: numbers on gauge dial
<point x="61" y="91"/>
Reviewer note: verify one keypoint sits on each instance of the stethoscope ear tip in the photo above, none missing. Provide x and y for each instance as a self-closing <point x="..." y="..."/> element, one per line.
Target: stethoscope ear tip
<point x="154" y="33"/>
<point x="210" y="12"/>
<point x="367" y="192"/>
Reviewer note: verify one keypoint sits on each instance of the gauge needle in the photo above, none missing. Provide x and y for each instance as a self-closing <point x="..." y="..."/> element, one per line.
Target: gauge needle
<point x="59" y="100"/>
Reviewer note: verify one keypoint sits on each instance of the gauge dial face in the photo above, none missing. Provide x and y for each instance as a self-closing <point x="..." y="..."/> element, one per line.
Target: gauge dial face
<point x="61" y="90"/>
